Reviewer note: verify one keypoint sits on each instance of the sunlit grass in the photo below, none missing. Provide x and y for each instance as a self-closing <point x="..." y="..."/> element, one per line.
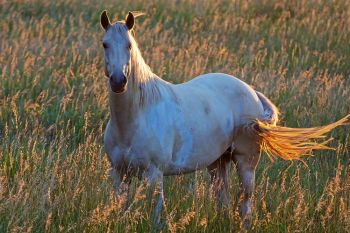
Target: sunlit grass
<point x="53" y="110"/>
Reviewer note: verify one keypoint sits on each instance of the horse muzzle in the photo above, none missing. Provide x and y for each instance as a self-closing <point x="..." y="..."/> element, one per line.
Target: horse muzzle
<point x="118" y="84"/>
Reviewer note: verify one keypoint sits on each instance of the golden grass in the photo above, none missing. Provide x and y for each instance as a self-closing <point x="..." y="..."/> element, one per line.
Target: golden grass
<point x="53" y="110"/>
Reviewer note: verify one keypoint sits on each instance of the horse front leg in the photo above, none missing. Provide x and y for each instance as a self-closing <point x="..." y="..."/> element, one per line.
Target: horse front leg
<point x="154" y="177"/>
<point x="121" y="185"/>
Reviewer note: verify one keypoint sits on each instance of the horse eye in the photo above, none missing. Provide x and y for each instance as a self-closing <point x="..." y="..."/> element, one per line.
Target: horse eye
<point x="129" y="46"/>
<point x="104" y="45"/>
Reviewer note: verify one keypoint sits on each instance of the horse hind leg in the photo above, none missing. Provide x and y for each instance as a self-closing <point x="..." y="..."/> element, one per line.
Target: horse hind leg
<point x="219" y="181"/>
<point x="246" y="157"/>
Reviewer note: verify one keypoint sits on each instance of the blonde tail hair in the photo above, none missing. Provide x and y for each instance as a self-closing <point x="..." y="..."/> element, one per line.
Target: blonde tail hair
<point x="292" y="143"/>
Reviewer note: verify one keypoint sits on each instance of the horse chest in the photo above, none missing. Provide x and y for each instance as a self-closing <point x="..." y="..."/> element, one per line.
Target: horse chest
<point x="137" y="155"/>
<point x="125" y="157"/>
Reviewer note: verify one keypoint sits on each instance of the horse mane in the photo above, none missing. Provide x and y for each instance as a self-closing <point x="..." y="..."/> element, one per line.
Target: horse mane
<point x="145" y="82"/>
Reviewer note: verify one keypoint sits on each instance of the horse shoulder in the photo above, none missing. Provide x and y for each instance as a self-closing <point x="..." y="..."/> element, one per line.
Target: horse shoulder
<point x="155" y="132"/>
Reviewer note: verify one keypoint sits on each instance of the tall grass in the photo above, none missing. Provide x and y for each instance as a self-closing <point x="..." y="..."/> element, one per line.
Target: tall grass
<point x="53" y="110"/>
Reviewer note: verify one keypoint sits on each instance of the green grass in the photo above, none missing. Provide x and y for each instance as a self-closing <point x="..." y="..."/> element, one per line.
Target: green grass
<point x="53" y="110"/>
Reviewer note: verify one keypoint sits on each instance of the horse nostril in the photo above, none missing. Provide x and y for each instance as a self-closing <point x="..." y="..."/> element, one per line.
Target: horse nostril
<point x="124" y="80"/>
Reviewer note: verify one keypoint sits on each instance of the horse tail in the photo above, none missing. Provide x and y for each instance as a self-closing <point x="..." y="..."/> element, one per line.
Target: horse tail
<point x="292" y="143"/>
<point x="285" y="142"/>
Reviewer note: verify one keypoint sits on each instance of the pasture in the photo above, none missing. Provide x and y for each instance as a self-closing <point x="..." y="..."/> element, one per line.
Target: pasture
<point x="54" y="108"/>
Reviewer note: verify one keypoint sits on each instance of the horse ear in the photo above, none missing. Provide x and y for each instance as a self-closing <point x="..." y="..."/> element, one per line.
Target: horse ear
<point x="104" y="20"/>
<point x="130" y="21"/>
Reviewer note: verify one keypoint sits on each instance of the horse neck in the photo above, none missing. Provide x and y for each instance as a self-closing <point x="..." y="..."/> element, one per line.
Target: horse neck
<point x="122" y="110"/>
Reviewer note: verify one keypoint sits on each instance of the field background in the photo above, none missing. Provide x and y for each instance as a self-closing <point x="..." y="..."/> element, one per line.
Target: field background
<point x="53" y="110"/>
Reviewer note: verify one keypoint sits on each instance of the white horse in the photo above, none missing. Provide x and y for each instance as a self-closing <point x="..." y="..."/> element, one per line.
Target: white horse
<point x="158" y="129"/>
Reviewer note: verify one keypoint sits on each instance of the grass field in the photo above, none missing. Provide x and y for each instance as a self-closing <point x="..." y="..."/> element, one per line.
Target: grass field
<point x="53" y="110"/>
